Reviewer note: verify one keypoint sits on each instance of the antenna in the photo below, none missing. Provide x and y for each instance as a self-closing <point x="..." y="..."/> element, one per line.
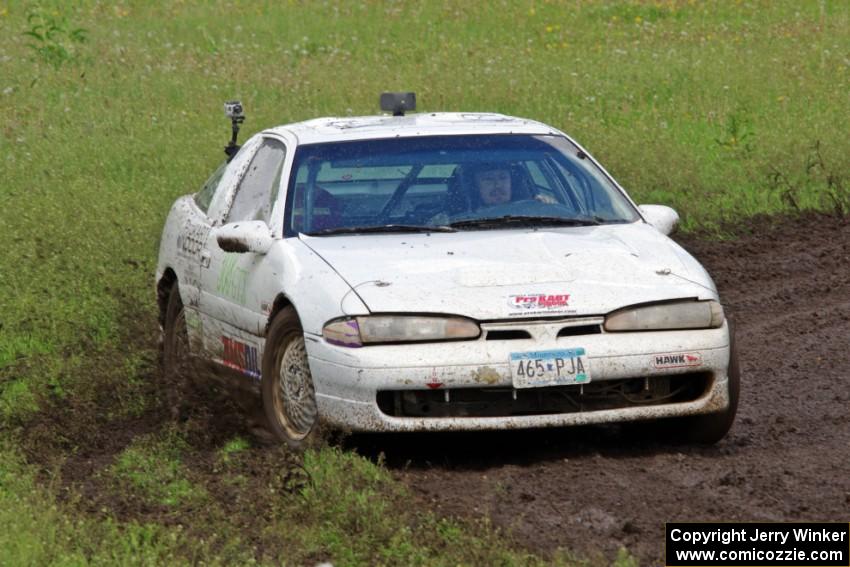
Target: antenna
<point x="233" y="110"/>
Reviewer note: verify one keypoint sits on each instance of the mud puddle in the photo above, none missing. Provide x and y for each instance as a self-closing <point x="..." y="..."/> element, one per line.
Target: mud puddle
<point x="786" y="284"/>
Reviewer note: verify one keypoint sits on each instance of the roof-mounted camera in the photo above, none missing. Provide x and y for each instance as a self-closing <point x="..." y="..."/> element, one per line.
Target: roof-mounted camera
<point x="398" y="103"/>
<point x="233" y="110"/>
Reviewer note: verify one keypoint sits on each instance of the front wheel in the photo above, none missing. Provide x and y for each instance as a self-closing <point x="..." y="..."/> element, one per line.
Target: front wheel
<point x="289" y="399"/>
<point x="710" y="428"/>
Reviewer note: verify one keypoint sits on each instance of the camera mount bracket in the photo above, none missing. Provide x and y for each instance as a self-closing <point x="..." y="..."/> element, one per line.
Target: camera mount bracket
<point x="233" y="110"/>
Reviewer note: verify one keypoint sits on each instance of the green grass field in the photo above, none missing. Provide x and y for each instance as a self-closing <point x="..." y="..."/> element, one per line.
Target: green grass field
<point x="721" y="109"/>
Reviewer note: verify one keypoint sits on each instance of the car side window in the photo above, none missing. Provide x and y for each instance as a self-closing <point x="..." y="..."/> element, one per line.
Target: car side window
<point x="203" y="198"/>
<point x="258" y="187"/>
<point x="544" y="186"/>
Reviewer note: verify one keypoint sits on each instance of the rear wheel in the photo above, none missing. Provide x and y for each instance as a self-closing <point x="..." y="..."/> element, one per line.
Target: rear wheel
<point x="711" y="428"/>
<point x="289" y="399"/>
<point x="177" y="366"/>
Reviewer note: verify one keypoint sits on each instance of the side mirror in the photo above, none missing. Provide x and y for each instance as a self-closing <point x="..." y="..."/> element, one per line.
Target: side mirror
<point x="664" y="219"/>
<point x="247" y="236"/>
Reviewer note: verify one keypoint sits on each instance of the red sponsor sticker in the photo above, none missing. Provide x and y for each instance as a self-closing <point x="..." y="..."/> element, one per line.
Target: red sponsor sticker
<point x="539" y="301"/>
<point x="240" y="356"/>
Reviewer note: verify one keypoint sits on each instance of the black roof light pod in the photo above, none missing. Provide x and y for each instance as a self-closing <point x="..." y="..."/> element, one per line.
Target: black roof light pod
<point x="398" y="103"/>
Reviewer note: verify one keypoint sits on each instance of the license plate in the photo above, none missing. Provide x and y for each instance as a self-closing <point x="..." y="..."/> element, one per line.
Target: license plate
<point x="550" y="368"/>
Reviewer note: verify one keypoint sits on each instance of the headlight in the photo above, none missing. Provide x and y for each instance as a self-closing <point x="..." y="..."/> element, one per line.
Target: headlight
<point x="357" y="331"/>
<point x="675" y="315"/>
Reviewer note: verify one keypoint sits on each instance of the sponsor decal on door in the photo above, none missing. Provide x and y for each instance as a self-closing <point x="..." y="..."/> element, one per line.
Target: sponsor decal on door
<point x="241" y="357"/>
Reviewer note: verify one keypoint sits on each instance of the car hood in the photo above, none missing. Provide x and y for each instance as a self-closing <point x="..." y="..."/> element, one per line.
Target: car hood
<point x="501" y="274"/>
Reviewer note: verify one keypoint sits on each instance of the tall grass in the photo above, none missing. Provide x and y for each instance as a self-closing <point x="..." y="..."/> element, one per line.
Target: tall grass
<point x="722" y="109"/>
<point x="712" y="107"/>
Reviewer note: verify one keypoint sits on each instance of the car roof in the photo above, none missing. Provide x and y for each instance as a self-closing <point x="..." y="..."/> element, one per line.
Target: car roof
<point x="342" y="129"/>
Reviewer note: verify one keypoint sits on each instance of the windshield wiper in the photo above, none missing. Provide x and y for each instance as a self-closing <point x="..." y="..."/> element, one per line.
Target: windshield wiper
<point x="382" y="228"/>
<point x="526" y="220"/>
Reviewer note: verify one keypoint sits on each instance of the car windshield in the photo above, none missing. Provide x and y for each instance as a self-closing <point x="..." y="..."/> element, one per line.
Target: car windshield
<point x="470" y="182"/>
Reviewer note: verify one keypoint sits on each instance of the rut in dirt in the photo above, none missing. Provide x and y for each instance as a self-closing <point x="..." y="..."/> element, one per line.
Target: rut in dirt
<point x="786" y="284"/>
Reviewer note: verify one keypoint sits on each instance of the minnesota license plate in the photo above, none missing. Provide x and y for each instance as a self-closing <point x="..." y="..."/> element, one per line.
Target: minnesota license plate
<point x="550" y="368"/>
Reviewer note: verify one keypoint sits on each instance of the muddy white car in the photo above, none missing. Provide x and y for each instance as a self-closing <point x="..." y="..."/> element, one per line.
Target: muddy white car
<point x="445" y="271"/>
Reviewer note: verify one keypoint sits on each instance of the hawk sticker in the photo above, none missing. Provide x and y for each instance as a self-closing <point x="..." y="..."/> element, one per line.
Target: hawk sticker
<point x="677" y="360"/>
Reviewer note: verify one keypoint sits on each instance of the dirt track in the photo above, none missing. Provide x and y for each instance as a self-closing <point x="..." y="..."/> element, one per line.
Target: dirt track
<point x="785" y="282"/>
<point x="787" y="285"/>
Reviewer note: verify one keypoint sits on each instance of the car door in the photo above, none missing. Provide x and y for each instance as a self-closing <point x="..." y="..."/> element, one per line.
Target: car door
<point x="193" y="236"/>
<point x="233" y="284"/>
<point x="193" y="227"/>
<point x="197" y="216"/>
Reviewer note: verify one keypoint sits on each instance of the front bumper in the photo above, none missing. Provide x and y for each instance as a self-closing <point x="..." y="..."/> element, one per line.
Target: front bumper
<point x="347" y="381"/>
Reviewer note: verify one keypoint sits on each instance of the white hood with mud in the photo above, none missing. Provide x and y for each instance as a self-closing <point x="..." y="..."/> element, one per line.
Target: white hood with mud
<point x="503" y="274"/>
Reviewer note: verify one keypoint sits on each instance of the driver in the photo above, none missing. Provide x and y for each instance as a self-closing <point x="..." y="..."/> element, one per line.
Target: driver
<point x="490" y="184"/>
<point x="496" y="184"/>
<point x="493" y="185"/>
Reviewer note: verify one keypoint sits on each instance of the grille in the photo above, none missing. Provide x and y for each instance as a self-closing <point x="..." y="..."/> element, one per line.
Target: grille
<point x="580" y="330"/>
<point x="509" y="335"/>
<point x="502" y="402"/>
<point x="542" y="329"/>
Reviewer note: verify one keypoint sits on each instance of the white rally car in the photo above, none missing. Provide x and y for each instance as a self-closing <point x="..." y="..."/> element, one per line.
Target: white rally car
<point x="445" y="271"/>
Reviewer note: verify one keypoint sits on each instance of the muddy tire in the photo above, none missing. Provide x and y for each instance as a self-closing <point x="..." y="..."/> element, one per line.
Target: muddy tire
<point x="710" y="428"/>
<point x="289" y="399"/>
<point x="177" y="365"/>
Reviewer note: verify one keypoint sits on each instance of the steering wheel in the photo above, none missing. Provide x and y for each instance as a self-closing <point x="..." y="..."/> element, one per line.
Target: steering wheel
<point x="531" y="207"/>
